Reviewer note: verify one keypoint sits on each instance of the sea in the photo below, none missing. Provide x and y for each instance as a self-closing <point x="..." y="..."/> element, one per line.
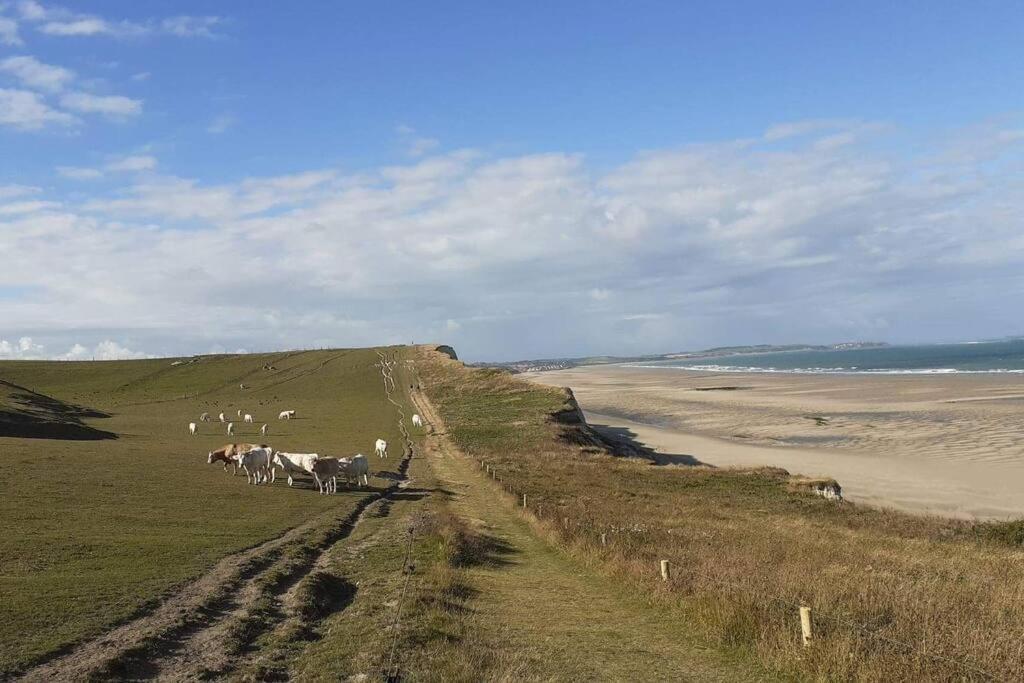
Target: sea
<point x="966" y="357"/>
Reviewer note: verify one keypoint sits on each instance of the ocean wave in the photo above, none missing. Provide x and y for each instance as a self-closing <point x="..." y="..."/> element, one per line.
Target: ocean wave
<point x="831" y="371"/>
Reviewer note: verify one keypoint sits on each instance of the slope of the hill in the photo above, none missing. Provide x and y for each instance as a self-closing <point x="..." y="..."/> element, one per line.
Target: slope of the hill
<point x="108" y="503"/>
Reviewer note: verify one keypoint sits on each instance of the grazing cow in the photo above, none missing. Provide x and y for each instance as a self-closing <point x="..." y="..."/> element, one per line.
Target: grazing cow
<point x="325" y="473"/>
<point x="221" y="416"/>
<point x="263" y="430"/>
<point x="286" y="415"/>
<point x="381" y="448"/>
<point x="192" y="428"/>
<point x="417" y="421"/>
<point x="357" y="467"/>
<point x="231" y="428"/>
<point x="293" y="463"/>
<point x="205" y="417"/>
<point x="248" y="418"/>
<point x="257" y="464"/>
<point x="229" y="455"/>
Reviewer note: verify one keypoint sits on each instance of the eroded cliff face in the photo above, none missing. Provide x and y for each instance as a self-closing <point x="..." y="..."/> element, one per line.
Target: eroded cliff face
<point x="576" y="430"/>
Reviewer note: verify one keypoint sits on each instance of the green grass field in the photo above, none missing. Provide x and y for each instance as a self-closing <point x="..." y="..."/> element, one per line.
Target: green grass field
<point x="108" y="503"/>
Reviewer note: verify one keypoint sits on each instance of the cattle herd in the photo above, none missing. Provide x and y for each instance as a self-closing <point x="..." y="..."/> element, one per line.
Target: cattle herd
<point x="260" y="462"/>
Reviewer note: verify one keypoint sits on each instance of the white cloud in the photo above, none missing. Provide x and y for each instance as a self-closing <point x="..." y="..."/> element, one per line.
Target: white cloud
<point x="141" y="76"/>
<point x="12" y="191"/>
<point x="35" y="74"/>
<point x="30" y="10"/>
<point x="115" y="106"/>
<point x="60" y="21"/>
<point x="26" y="207"/>
<point x="133" y="163"/>
<point x="220" y="124"/>
<point x="79" y="173"/>
<point x="792" y="129"/>
<point x="420" y="146"/>
<point x="78" y="27"/>
<point x="726" y="242"/>
<point x="9" y="32"/>
<point x="26" y="348"/>
<point x="186" y="27"/>
<point x="26" y="110"/>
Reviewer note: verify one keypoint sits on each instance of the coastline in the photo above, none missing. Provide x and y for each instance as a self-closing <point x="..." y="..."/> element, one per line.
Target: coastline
<point x="947" y="445"/>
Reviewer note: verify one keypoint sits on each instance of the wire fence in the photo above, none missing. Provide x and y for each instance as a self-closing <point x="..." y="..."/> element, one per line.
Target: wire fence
<point x="520" y="499"/>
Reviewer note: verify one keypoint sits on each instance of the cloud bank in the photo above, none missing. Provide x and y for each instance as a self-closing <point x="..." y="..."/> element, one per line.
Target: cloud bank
<point x="812" y="232"/>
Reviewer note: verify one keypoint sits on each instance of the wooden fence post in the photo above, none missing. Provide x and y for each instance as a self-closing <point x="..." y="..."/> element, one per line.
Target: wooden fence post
<point x="665" y="571"/>
<point x="806" y="625"/>
<point x="524" y="501"/>
<point x="604" y="539"/>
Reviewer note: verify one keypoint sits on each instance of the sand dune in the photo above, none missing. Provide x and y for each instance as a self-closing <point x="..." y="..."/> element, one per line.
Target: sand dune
<point x="943" y="444"/>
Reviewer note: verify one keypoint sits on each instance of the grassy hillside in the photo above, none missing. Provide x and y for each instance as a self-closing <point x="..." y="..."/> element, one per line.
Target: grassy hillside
<point x="108" y="502"/>
<point x="895" y="597"/>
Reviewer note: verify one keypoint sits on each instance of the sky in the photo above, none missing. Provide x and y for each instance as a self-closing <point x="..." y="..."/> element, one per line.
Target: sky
<point x="518" y="180"/>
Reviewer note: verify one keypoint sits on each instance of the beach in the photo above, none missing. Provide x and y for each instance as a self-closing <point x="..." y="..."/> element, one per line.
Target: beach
<point x="946" y="444"/>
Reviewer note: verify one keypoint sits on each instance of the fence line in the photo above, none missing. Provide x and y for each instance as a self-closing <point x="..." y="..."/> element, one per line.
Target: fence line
<point x="603" y="540"/>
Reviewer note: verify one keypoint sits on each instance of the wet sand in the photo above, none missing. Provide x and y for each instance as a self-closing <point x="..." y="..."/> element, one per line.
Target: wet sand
<point x="943" y="444"/>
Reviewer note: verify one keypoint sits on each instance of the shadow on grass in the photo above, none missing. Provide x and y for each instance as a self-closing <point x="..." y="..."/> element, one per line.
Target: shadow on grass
<point x="31" y="415"/>
<point x="483" y="550"/>
<point x="324" y="594"/>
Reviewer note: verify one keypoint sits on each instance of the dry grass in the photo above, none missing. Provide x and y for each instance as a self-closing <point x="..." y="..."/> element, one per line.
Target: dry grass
<point x="895" y="596"/>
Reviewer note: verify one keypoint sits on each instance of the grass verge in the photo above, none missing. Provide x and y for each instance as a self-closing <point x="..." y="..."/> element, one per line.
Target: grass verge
<point x="895" y="596"/>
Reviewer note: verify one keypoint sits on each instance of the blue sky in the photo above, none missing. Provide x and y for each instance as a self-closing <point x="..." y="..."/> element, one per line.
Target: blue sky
<point x="513" y="178"/>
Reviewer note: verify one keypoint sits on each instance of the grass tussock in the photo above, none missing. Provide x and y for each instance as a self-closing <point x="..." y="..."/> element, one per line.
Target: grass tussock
<point x="894" y="596"/>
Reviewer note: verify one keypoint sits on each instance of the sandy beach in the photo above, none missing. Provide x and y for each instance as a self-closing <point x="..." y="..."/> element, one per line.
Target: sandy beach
<point x="942" y="444"/>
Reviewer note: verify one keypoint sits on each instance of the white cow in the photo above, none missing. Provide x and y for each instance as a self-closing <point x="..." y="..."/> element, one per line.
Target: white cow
<point x="293" y="463"/>
<point x="357" y="467"/>
<point x="221" y="416"/>
<point x="257" y="464"/>
<point x="248" y="418"/>
<point x="205" y="417"/>
<point x="239" y="412"/>
<point x="231" y="428"/>
<point x="325" y="472"/>
<point x="263" y="430"/>
<point x="381" y="448"/>
<point x="192" y="428"/>
<point x="286" y="415"/>
<point x="417" y="421"/>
